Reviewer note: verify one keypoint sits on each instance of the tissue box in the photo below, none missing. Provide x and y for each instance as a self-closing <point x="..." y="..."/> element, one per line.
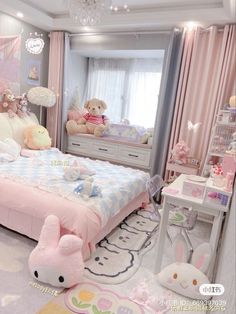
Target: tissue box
<point x="194" y="188"/>
<point x="216" y="196"/>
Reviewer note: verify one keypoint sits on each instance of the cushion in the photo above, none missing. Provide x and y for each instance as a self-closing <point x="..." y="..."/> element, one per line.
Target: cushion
<point x="14" y="127"/>
<point x="76" y="114"/>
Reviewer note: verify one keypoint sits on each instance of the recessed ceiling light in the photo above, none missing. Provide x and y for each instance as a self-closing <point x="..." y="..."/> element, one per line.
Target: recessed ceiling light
<point x="20" y="15"/>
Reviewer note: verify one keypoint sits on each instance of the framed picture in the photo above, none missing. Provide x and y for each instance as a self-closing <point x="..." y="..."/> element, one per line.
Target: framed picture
<point x="33" y="72"/>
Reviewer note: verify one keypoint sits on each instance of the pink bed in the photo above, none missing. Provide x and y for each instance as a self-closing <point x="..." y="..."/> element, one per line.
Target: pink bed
<point x="24" y="207"/>
<point x="27" y="216"/>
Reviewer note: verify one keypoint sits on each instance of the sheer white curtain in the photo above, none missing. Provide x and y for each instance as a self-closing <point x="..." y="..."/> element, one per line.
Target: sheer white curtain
<point x="130" y="87"/>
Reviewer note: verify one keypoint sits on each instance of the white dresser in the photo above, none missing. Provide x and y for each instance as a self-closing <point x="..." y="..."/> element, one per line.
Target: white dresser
<point x="105" y="148"/>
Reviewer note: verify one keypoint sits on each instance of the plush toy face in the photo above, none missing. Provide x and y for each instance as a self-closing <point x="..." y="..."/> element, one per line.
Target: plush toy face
<point x="8" y="96"/>
<point x="37" y="137"/>
<point x="95" y="106"/>
<point x="184" y="278"/>
<point x="57" y="261"/>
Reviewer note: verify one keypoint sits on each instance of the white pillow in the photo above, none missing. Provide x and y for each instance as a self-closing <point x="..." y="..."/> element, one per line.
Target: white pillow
<point x="14" y="127"/>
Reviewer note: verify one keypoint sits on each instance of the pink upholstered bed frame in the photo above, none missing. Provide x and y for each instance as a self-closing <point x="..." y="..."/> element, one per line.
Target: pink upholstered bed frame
<point x="24" y="208"/>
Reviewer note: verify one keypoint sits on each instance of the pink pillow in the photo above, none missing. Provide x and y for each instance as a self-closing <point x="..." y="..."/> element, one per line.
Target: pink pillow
<point x="76" y="114"/>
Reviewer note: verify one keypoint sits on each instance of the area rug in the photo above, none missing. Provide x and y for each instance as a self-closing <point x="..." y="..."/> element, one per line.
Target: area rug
<point x="89" y="298"/>
<point x="118" y="256"/>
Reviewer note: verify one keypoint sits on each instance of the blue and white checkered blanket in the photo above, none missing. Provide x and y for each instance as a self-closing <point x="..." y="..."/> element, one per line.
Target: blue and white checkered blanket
<point x="119" y="185"/>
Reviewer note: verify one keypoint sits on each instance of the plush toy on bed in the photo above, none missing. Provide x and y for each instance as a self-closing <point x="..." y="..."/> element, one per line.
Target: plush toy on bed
<point x="37" y="137"/>
<point x="77" y="171"/>
<point x="93" y="122"/>
<point x="57" y="260"/>
<point x="88" y="188"/>
<point x="9" y="103"/>
<point x="184" y="278"/>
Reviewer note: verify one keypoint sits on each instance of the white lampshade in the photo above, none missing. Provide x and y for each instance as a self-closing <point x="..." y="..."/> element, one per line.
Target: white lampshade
<point x="41" y="96"/>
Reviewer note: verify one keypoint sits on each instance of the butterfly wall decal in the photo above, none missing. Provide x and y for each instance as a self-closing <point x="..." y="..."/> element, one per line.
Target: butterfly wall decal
<point x="193" y="127"/>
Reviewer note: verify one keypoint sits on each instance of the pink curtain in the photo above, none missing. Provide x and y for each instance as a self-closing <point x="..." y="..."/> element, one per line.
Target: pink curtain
<point x="207" y="80"/>
<point x="55" y="83"/>
<point x="10" y="48"/>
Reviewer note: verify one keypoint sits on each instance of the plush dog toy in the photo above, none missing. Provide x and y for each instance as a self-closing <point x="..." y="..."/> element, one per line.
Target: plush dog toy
<point x="37" y="137"/>
<point x="77" y="171"/>
<point x="57" y="261"/>
<point x="93" y="122"/>
<point x="9" y="103"/>
<point x="184" y="278"/>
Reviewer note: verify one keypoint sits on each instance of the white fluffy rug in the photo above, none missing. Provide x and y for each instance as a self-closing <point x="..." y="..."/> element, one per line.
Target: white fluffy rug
<point x="119" y="255"/>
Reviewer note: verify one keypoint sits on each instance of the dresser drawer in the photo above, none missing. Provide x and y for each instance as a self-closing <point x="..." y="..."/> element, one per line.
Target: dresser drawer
<point x="135" y="156"/>
<point x="78" y="145"/>
<point x="104" y="150"/>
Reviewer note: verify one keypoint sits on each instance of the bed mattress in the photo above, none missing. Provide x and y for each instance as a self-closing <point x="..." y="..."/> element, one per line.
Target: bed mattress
<point x="35" y="187"/>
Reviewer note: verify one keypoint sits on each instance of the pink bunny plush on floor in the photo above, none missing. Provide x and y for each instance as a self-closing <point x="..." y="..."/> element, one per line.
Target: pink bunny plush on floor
<point x="184" y="278"/>
<point x="57" y="260"/>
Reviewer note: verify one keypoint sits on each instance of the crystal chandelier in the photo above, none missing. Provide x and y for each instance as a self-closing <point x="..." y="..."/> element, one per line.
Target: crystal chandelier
<point x="89" y="12"/>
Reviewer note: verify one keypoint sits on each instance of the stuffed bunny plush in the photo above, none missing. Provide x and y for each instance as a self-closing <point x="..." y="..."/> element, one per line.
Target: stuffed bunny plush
<point x="57" y="261"/>
<point x="184" y="278"/>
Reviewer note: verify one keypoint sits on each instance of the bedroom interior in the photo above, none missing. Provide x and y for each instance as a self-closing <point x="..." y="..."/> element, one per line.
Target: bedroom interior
<point x="117" y="156"/>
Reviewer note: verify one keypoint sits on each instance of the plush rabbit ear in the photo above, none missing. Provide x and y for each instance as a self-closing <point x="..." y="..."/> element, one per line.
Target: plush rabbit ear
<point x="202" y="256"/>
<point x="180" y="248"/>
<point x="69" y="244"/>
<point x="50" y="232"/>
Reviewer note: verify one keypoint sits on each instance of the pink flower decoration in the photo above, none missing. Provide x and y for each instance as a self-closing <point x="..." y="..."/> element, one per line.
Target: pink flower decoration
<point x="104" y="304"/>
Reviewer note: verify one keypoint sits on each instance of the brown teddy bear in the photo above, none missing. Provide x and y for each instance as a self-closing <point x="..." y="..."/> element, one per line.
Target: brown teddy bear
<point x="9" y="103"/>
<point x="93" y="122"/>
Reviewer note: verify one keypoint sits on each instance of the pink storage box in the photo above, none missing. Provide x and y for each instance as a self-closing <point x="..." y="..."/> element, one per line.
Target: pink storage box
<point x="193" y="188"/>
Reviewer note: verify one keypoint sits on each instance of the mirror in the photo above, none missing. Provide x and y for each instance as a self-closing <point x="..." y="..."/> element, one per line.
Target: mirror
<point x="127" y="80"/>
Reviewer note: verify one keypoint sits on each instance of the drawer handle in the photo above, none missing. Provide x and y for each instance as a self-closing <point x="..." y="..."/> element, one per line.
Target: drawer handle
<point x="103" y="149"/>
<point x="75" y="144"/>
<point x="132" y="155"/>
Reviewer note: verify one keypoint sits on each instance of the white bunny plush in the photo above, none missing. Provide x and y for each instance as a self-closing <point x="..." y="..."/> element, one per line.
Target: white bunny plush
<point x="184" y="278"/>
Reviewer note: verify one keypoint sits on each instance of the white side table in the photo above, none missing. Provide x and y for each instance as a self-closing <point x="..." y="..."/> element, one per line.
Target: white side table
<point x="173" y="196"/>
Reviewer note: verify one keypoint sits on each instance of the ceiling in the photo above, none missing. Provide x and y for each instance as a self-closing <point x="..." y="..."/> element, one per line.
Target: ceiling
<point x="143" y="15"/>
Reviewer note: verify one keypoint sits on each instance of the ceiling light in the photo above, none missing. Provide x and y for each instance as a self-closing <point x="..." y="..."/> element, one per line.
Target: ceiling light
<point x="20" y="15"/>
<point x="88" y="12"/>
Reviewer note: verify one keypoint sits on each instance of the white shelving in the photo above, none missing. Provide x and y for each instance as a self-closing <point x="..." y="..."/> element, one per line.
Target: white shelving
<point x="221" y="138"/>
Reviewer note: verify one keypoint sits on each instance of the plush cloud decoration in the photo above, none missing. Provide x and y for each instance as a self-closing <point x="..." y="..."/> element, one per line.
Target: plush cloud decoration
<point x="41" y="96"/>
<point x="184" y="278"/>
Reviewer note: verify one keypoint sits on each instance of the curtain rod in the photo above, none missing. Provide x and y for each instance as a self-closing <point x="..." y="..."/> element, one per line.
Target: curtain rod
<point x="121" y="33"/>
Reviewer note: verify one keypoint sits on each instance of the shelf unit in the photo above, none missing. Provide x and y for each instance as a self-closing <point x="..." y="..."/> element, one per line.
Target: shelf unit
<point x="221" y="138"/>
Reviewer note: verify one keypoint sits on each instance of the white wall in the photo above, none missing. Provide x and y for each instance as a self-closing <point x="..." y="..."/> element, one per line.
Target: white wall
<point x="11" y="26"/>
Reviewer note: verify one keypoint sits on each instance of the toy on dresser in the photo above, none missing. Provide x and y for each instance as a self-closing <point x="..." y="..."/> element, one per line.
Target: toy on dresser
<point x="180" y="153"/>
<point x="93" y="122"/>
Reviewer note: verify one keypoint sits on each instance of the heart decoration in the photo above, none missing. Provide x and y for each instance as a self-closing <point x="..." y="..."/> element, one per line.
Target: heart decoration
<point x="34" y="45"/>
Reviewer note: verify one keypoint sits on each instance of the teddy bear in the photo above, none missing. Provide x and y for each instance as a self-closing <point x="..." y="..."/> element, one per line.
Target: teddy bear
<point x="93" y="122"/>
<point x="9" y="103"/>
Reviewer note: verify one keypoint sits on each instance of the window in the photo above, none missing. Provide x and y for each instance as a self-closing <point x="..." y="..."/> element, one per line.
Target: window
<point x="130" y="87"/>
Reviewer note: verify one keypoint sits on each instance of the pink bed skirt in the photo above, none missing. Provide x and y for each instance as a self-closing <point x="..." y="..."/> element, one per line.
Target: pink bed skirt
<point x="24" y="209"/>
